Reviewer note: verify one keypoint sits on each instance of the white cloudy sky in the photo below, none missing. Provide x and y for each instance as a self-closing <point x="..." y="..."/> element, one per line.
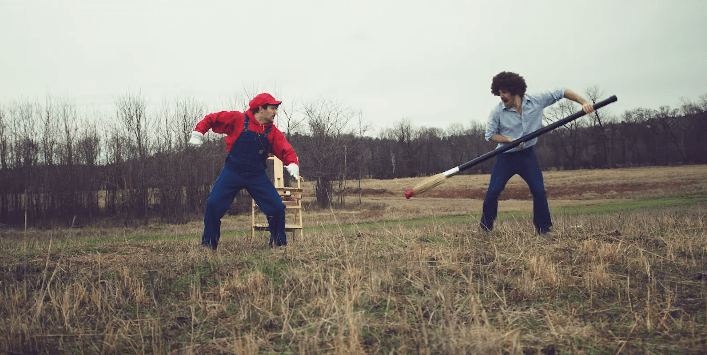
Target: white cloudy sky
<point x="429" y="61"/>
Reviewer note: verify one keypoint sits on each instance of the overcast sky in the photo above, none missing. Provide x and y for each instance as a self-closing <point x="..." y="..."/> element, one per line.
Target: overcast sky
<point x="428" y="61"/>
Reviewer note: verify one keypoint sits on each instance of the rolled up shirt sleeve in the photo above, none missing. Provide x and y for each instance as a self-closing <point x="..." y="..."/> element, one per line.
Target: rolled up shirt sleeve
<point x="493" y="124"/>
<point x="550" y="97"/>
<point x="281" y="148"/>
<point x="219" y="122"/>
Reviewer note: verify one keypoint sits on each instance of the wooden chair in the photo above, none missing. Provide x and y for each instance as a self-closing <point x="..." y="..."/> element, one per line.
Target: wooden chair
<point x="291" y="197"/>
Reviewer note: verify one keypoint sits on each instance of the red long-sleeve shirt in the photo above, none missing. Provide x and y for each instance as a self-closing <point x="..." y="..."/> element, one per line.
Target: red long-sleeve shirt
<point x="231" y="123"/>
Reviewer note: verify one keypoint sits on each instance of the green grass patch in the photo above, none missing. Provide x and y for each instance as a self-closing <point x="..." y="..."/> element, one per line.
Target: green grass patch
<point x="633" y="205"/>
<point x="274" y="270"/>
<point x="352" y="229"/>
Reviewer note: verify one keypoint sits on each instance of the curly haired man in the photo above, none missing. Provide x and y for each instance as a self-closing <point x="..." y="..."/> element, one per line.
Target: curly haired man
<point x="516" y="115"/>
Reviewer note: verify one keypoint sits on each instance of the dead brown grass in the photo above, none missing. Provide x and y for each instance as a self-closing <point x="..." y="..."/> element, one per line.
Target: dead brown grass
<point x="648" y="179"/>
<point x="463" y="194"/>
<point x="633" y="282"/>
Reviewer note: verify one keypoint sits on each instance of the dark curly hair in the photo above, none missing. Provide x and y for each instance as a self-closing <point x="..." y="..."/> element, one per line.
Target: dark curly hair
<point x="509" y="82"/>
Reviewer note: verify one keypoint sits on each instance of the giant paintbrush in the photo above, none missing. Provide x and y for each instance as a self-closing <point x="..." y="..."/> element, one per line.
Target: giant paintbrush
<point x="436" y="180"/>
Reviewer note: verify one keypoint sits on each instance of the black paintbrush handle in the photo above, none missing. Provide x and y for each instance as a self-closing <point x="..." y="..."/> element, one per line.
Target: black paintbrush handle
<point x="535" y="134"/>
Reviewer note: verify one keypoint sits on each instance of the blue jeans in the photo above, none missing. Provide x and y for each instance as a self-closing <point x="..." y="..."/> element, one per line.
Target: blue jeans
<point x="260" y="189"/>
<point x="525" y="164"/>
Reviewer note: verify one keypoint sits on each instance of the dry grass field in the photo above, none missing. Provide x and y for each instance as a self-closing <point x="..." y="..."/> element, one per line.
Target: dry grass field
<point x="626" y="274"/>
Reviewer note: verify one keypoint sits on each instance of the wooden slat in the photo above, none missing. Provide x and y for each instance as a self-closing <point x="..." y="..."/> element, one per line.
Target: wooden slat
<point x="290" y="189"/>
<point x="291" y="198"/>
<point x="288" y="227"/>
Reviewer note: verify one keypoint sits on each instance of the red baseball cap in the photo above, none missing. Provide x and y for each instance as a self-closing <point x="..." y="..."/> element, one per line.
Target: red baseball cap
<point x="262" y="99"/>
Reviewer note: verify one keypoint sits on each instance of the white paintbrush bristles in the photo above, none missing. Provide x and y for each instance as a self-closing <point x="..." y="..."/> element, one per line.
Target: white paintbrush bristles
<point x="429" y="183"/>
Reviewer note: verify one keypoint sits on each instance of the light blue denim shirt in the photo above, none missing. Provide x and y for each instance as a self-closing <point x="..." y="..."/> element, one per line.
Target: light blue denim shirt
<point x="509" y="123"/>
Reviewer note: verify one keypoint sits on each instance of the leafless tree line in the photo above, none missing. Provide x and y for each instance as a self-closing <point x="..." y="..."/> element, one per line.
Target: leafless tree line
<point x="639" y="137"/>
<point x="60" y="165"/>
<point x="63" y="166"/>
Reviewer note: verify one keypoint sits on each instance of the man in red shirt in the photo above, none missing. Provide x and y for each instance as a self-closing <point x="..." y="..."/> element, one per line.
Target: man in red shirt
<point x="250" y="137"/>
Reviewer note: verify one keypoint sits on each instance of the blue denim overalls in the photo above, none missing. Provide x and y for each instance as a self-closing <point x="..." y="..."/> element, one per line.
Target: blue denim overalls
<point x="245" y="168"/>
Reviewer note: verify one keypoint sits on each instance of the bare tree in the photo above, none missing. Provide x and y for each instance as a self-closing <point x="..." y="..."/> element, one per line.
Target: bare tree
<point x="130" y="111"/>
<point x="176" y="171"/>
<point x="175" y="120"/>
<point x="88" y="145"/>
<point x="702" y="103"/>
<point x="633" y="132"/>
<point x="689" y="107"/>
<point x="163" y="132"/>
<point x="568" y="138"/>
<point x="324" y="154"/>
<point x="429" y="143"/>
<point x="68" y="118"/>
<point x="26" y="145"/>
<point x="363" y="152"/>
<point x="478" y="145"/>
<point x="669" y="121"/>
<point x="601" y="138"/>
<point x="294" y="120"/>
<point x="457" y="142"/>
<point x="594" y="95"/>
<point x="4" y="137"/>
<point x="188" y="111"/>
<point x="404" y="134"/>
<point x="4" y="173"/>
<point x="48" y="132"/>
<point x="24" y="117"/>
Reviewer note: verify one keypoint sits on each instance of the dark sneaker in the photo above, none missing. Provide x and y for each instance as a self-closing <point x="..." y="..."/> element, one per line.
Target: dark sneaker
<point x="546" y="232"/>
<point x="484" y="230"/>
<point x="209" y="244"/>
<point x="277" y="243"/>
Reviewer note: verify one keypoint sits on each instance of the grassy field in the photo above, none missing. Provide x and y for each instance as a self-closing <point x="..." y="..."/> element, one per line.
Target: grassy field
<point x="626" y="274"/>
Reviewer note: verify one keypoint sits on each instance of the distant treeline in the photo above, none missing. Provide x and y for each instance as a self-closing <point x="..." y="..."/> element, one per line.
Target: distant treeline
<point x="59" y="166"/>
